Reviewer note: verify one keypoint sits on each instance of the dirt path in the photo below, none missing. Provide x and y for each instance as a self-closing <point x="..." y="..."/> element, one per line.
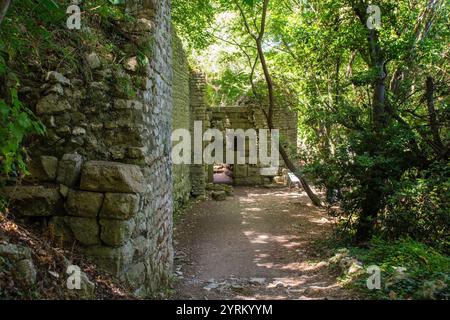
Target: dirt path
<point x="254" y="245"/>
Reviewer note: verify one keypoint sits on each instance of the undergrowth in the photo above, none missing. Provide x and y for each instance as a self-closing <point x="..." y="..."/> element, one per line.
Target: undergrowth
<point x="409" y="269"/>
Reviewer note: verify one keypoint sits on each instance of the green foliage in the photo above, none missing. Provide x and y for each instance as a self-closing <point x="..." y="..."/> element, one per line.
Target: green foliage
<point x="30" y="43"/>
<point x="425" y="276"/>
<point x="16" y="121"/>
<point x="420" y="207"/>
<point x="376" y="159"/>
<point x="192" y="18"/>
<point x="228" y="89"/>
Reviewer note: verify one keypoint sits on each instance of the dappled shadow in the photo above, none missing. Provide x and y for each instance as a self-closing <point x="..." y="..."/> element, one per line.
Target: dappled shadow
<point x="258" y="233"/>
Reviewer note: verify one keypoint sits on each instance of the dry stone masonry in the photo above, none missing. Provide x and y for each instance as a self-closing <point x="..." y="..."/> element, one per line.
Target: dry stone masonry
<point x="181" y="119"/>
<point x="102" y="178"/>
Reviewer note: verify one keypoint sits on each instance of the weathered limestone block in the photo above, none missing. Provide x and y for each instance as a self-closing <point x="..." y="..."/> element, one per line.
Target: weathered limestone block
<point x="123" y="104"/>
<point x="56" y="77"/>
<point x="20" y="258"/>
<point x="93" y="60"/>
<point x="78" y="131"/>
<point x="115" y="232"/>
<point x="113" y="260"/>
<point x="240" y="170"/>
<point x="84" y="203"/>
<point x="85" y="230"/>
<point x="50" y="165"/>
<point x="34" y="201"/>
<point x="55" y="88"/>
<point x="120" y="206"/>
<point x="98" y="92"/>
<point x="248" y="181"/>
<point x="219" y="195"/>
<point x="254" y="171"/>
<point x="43" y="169"/>
<point x="64" y="130"/>
<point x="14" y="252"/>
<point x="116" y="177"/>
<point x="219" y="187"/>
<point x="52" y="103"/>
<point x="69" y="169"/>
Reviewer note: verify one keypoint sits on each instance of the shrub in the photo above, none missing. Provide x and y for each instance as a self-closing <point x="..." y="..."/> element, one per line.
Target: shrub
<point x="425" y="272"/>
<point x="420" y="208"/>
<point x="16" y="121"/>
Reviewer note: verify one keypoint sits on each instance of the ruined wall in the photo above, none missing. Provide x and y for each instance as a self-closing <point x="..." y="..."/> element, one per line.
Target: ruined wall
<point x="198" y="107"/>
<point x="181" y="120"/>
<point x="252" y="118"/>
<point x="102" y="176"/>
<point x="284" y="119"/>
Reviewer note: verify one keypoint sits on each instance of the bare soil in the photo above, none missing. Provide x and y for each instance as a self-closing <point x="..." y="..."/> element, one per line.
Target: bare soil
<point x="258" y="244"/>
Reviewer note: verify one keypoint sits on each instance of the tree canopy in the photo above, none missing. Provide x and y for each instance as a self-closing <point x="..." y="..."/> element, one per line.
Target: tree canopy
<point x="373" y="99"/>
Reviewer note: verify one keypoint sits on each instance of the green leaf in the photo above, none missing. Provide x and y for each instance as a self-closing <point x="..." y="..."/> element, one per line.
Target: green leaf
<point x="116" y="2"/>
<point x="4" y="109"/>
<point x="50" y="4"/>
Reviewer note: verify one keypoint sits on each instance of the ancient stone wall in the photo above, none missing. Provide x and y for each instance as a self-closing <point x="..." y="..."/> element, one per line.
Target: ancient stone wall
<point x="198" y="107"/>
<point x="102" y="176"/>
<point x="181" y="120"/>
<point x="284" y="119"/>
<point x="248" y="117"/>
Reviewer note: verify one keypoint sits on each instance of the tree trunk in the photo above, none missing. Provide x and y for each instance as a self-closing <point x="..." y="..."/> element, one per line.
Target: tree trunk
<point x="291" y="166"/>
<point x="434" y="125"/>
<point x="271" y="95"/>
<point x="4" y="5"/>
<point x="373" y="196"/>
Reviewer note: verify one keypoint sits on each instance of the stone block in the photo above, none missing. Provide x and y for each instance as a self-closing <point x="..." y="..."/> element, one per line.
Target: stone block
<point x="14" y="252"/>
<point x="93" y="60"/>
<point x="254" y="171"/>
<point x="51" y="104"/>
<point x="84" y="203"/>
<point x="120" y="206"/>
<point x="115" y="232"/>
<point x="248" y="181"/>
<point x="112" y="260"/>
<point x="115" y="177"/>
<point x="219" y="195"/>
<point x="85" y="230"/>
<point x="69" y="169"/>
<point x="240" y="170"/>
<point x="56" y="77"/>
<point x="43" y="169"/>
<point x="34" y="201"/>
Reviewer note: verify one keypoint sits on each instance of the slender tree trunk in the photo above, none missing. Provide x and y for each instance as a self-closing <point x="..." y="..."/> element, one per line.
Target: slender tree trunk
<point x="4" y="6"/>
<point x="373" y="197"/>
<point x="434" y="126"/>
<point x="271" y="95"/>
